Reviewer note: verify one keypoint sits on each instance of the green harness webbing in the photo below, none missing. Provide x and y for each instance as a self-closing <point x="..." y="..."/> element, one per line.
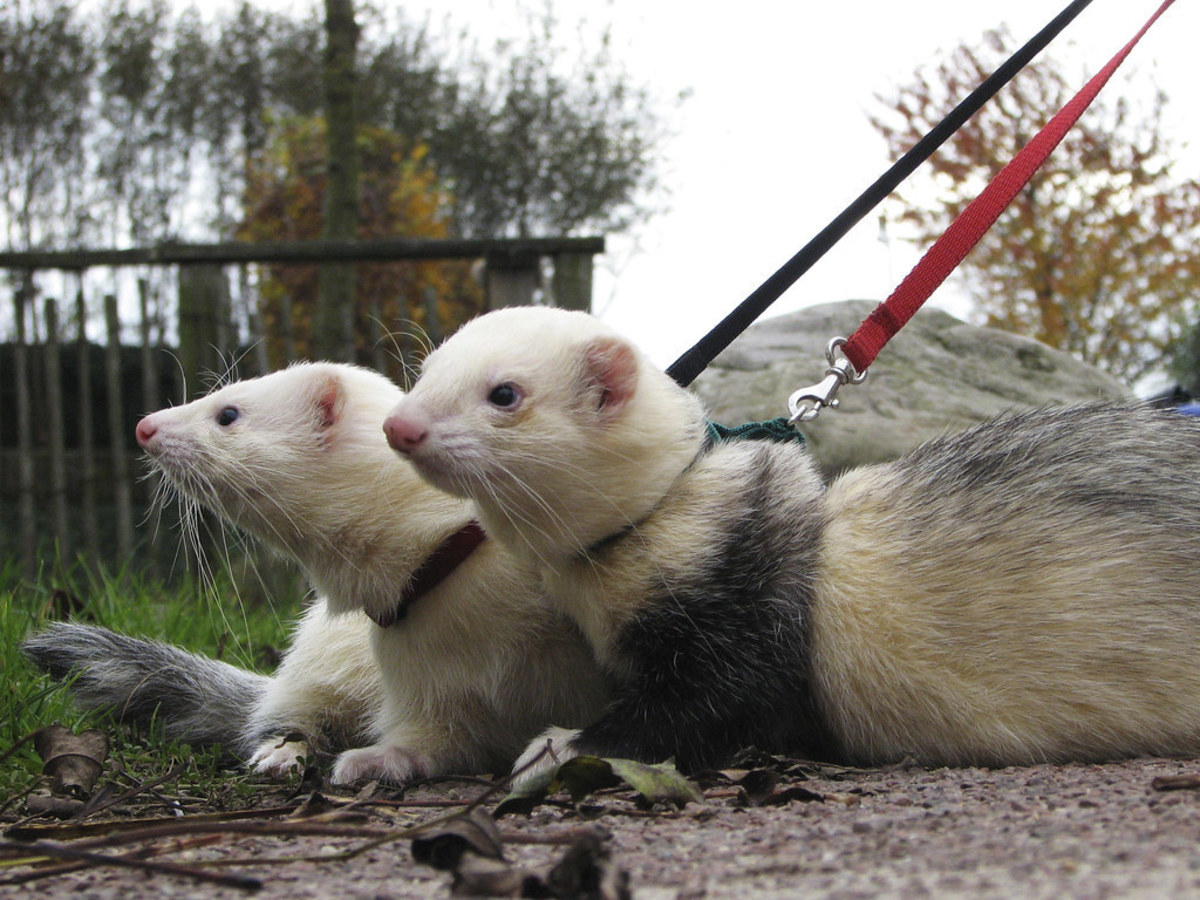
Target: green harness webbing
<point x="778" y="430"/>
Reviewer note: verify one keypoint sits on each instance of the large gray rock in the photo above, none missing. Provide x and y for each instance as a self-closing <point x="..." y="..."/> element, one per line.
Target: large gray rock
<point x="937" y="375"/>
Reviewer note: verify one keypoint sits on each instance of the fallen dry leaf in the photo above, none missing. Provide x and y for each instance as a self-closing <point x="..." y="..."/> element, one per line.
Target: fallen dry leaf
<point x="475" y="832"/>
<point x="73" y="761"/>
<point x="587" y="871"/>
<point x="470" y="847"/>
<point x="584" y="775"/>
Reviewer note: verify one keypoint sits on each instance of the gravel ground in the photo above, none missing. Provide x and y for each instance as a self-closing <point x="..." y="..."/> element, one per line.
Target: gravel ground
<point x="1076" y="831"/>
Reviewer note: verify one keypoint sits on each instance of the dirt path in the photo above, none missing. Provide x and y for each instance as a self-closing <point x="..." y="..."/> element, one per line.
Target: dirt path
<point x="1051" y="832"/>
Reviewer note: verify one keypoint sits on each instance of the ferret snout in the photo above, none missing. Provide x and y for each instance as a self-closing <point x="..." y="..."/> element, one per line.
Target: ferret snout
<point x="406" y="428"/>
<point x="145" y="432"/>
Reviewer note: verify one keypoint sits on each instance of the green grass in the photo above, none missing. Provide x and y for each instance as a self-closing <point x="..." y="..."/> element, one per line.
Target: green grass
<point x="206" y="620"/>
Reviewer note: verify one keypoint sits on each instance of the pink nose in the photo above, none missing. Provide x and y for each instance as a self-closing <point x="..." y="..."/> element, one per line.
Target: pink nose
<point x="145" y="431"/>
<point x="404" y="434"/>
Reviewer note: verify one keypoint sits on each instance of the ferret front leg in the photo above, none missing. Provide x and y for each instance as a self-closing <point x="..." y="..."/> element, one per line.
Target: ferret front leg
<point x="390" y="761"/>
<point x="411" y="743"/>
<point x="327" y="688"/>
<point x="549" y="749"/>
<point x="707" y="678"/>
<point x="277" y="757"/>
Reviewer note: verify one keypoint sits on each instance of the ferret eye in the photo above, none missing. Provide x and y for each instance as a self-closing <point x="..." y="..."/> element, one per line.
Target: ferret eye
<point x="504" y="396"/>
<point x="228" y="416"/>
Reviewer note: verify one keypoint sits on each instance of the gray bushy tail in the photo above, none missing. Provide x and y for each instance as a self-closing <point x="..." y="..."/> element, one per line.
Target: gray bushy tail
<point x="194" y="698"/>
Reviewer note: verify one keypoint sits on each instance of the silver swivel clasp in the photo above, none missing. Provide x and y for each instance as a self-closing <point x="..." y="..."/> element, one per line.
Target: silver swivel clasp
<point x="806" y="404"/>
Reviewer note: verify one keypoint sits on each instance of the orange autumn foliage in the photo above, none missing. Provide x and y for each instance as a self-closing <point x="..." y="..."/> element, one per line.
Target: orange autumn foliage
<point x="399" y="196"/>
<point x="1099" y="254"/>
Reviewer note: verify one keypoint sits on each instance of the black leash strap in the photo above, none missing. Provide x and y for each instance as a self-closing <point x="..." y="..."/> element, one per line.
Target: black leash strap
<point x="685" y="369"/>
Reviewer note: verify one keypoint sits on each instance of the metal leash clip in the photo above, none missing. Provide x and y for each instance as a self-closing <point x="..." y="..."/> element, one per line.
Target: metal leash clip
<point x="806" y="404"/>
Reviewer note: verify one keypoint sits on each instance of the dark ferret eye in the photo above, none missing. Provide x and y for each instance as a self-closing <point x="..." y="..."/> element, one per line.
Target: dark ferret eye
<point x="228" y="416"/>
<point x="504" y="396"/>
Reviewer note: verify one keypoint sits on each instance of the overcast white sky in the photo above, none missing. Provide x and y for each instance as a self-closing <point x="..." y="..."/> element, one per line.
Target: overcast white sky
<point x="775" y="140"/>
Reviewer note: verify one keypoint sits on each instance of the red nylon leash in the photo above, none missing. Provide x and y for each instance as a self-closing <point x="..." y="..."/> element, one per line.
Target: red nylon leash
<point x="697" y="358"/>
<point x="952" y="247"/>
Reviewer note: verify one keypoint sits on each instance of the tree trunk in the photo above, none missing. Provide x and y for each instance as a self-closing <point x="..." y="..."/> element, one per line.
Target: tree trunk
<point x="333" y="322"/>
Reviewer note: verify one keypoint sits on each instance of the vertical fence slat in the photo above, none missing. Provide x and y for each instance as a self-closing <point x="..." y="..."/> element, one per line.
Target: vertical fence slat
<point x="571" y="283"/>
<point x="25" y="479"/>
<point x="254" y="320"/>
<point x="150" y="398"/>
<point x="404" y="340"/>
<point x="87" y="436"/>
<point x="225" y="346"/>
<point x="512" y="279"/>
<point x="287" y="330"/>
<point x="56" y="435"/>
<point x="375" y="334"/>
<point x="116" y="429"/>
<point x="433" y="318"/>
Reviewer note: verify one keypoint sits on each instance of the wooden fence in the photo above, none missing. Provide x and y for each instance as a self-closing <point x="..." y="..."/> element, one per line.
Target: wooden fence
<point x="72" y="486"/>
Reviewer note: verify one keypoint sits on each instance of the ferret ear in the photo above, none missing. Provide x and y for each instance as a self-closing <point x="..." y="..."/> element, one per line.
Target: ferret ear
<point x="611" y="365"/>
<point x="329" y="398"/>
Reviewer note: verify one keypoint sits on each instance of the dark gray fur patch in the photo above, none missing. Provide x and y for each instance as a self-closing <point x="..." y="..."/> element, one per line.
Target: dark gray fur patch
<point x="1132" y="464"/>
<point x="720" y="654"/>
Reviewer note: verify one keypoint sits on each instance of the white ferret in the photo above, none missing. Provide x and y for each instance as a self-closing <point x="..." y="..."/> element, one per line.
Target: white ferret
<point x="1025" y="591"/>
<point x="461" y="681"/>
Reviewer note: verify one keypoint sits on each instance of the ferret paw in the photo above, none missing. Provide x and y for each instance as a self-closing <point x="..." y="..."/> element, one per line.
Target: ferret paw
<point x="277" y="758"/>
<point x="380" y="762"/>
<point x="552" y="747"/>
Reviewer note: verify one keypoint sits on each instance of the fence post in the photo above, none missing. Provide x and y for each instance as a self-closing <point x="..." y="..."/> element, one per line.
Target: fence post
<point x="203" y="305"/>
<point x="55" y="434"/>
<point x="375" y="334"/>
<point x="571" y="283"/>
<point x="254" y="321"/>
<point x="433" y="317"/>
<point x="87" y="435"/>
<point x="287" y="330"/>
<point x="116" y="433"/>
<point x="25" y="479"/>
<point x="512" y="279"/>
<point x="150" y="389"/>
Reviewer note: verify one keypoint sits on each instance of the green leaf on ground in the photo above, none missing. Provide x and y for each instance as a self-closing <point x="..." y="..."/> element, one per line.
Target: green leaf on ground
<point x="584" y="775"/>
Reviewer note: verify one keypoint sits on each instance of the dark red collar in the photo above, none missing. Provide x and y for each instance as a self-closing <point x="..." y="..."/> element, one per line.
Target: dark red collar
<point x="446" y="557"/>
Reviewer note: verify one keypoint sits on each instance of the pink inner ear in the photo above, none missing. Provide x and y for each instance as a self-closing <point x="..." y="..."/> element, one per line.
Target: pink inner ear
<point x="613" y="366"/>
<point x="329" y="403"/>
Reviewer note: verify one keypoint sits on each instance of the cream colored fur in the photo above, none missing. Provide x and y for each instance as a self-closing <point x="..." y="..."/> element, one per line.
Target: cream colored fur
<point x="944" y="646"/>
<point x="547" y="354"/>
<point x="943" y="642"/>
<point x="327" y="684"/>
<point x="480" y="663"/>
<point x="672" y="540"/>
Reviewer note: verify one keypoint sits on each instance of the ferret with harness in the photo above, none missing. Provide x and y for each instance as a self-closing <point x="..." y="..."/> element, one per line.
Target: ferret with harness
<point x="1025" y="591"/>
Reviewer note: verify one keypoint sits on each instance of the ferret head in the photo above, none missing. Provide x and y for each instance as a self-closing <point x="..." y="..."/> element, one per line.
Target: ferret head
<point x="558" y="428"/>
<point x="296" y="459"/>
